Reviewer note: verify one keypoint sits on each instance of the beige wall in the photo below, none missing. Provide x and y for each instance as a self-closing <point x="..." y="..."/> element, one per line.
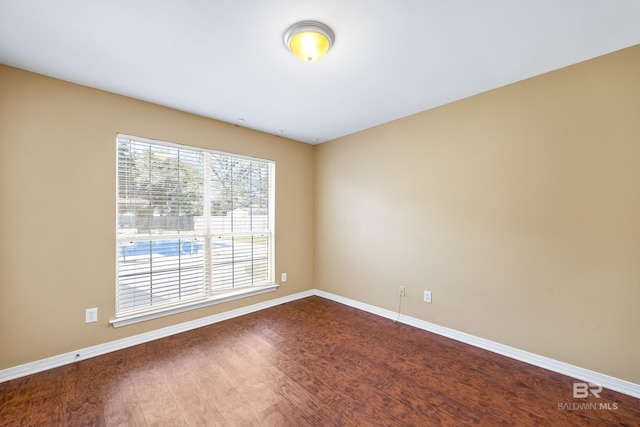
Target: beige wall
<point x="518" y="208"/>
<point x="57" y="209"/>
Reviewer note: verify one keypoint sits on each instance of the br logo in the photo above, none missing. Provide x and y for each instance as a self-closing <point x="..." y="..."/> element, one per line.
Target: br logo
<point x="582" y="390"/>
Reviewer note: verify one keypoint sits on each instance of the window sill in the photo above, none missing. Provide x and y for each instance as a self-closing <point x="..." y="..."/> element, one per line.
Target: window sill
<point x="212" y="300"/>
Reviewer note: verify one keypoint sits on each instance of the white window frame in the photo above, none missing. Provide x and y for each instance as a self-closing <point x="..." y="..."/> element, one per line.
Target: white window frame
<point x="209" y="295"/>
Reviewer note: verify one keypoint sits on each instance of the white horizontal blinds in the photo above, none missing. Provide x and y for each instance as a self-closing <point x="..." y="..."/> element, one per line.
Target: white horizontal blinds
<point x="161" y="257"/>
<point x="189" y="222"/>
<point x="159" y="272"/>
<point x="160" y="188"/>
<point x="240" y="261"/>
<point x="240" y="222"/>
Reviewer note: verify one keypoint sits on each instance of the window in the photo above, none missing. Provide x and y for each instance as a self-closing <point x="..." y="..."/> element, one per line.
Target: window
<point x="193" y="226"/>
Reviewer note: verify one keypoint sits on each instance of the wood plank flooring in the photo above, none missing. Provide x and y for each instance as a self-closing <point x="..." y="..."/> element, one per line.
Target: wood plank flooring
<point x="311" y="362"/>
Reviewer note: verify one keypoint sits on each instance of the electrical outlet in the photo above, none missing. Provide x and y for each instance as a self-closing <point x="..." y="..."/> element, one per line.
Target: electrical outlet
<point x="91" y="315"/>
<point x="401" y="291"/>
<point x="284" y="277"/>
<point x="427" y="296"/>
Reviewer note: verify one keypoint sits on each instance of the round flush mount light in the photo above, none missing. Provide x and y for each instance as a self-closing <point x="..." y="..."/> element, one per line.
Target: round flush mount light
<point x="309" y="40"/>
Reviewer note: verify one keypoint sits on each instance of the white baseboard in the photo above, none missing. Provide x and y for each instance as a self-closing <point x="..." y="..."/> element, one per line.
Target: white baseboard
<point x="582" y="374"/>
<point x="573" y="371"/>
<point x="97" y="350"/>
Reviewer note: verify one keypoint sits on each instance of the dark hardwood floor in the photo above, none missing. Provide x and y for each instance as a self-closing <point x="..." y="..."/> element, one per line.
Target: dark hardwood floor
<point x="311" y="362"/>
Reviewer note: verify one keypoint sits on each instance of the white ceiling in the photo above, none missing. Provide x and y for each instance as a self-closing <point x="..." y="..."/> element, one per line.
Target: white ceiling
<point x="225" y="59"/>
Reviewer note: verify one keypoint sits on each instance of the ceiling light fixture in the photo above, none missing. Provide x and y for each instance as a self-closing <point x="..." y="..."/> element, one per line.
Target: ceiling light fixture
<point x="309" y="40"/>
